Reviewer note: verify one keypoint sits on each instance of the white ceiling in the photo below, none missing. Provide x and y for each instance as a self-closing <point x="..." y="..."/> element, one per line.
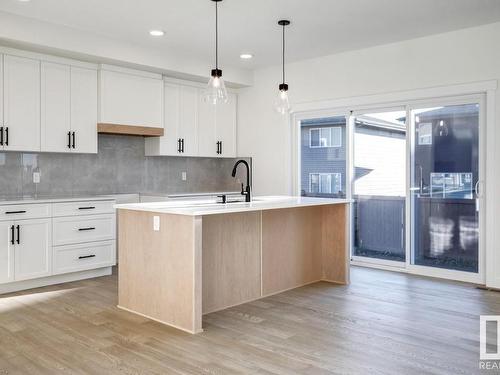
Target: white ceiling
<point x="319" y="27"/>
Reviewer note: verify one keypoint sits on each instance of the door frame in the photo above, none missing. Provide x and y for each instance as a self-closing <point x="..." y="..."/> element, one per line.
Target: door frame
<point x="344" y="106"/>
<point x="479" y="277"/>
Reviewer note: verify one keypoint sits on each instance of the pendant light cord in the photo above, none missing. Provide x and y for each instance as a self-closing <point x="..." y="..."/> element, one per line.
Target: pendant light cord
<point x="283" y="50"/>
<point x="216" y="36"/>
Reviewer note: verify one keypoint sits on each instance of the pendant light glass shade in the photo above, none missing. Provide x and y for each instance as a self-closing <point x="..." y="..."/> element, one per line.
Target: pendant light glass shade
<point x="216" y="89"/>
<point x="282" y="104"/>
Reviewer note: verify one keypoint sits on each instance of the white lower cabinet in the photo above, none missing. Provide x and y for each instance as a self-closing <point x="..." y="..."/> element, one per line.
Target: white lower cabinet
<point x="6" y="252"/>
<point x="72" y="258"/>
<point x="63" y="241"/>
<point x="32" y="249"/>
<point x="80" y="229"/>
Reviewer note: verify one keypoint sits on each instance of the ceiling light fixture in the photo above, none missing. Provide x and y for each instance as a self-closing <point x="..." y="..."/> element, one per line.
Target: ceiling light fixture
<point x="157" y="33"/>
<point x="216" y="90"/>
<point x="246" y="56"/>
<point x="282" y="104"/>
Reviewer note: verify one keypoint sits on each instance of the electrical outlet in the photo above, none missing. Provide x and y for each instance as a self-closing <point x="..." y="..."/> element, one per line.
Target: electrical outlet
<point x="36" y="177"/>
<point x="184" y="176"/>
<point x="156" y="223"/>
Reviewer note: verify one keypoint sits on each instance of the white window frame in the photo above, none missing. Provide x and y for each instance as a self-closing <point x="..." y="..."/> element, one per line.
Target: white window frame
<point x="336" y="174"/>
<point x="331" y="128"/>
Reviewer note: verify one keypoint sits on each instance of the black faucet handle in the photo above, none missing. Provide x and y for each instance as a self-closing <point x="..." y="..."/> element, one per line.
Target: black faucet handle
<point x="223" y="197"/>
<point x="242" y="189"/>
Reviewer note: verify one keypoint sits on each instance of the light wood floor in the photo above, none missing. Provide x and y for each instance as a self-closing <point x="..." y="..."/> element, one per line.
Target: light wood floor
<point x="383" y="323"/>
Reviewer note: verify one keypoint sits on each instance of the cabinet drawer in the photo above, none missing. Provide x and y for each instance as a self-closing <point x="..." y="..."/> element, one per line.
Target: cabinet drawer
<point x="24" y="211"/>
<point x="83" y="208"/>
<point x="80" y="229"/>
<point x="74" y="258"/>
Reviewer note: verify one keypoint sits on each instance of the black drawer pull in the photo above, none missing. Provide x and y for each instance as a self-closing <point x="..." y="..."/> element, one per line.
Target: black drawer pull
<point x="14" y="212"/>
<point x="86" y="256"/>
<point x="86" y="208"/>
<point x="83" y="229"/>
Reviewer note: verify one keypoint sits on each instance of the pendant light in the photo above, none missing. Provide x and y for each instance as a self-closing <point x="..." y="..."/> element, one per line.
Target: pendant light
<point x="282" y="104"/>
<point x="216" y="90"/>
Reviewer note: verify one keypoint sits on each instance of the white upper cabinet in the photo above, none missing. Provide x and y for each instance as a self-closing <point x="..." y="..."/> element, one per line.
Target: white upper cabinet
<point x="1" y="105"/>
<point x="217" y="124"/>
<point x="188" y="125"/>
<point x="21" y="102"/>
<point x="55" y="108"/>
<point x="181" y="123"/>
<point x="206" y="125"/>
<point x="68" y="108"/>
<point x="225" y="127"/>
<point x="129" y="97"/>
<point x="84" y="109"/>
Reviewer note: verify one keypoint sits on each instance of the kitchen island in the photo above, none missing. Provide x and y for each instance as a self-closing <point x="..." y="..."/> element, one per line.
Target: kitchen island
<point x="180" y="260"/>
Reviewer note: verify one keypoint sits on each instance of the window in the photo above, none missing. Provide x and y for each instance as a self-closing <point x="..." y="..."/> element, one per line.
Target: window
<point x="325" y="137"/>
<point x="325" y="183"/>
<point x="425" y="133"/>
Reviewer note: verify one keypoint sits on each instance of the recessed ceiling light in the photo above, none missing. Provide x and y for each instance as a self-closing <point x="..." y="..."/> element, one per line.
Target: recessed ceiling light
<point x="246" y="56"/>
<point x="24" y="1"/>
<point x="157" y="33"/>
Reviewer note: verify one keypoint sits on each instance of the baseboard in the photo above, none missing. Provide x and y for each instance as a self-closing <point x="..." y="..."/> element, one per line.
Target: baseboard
<point x="17" y="286"/>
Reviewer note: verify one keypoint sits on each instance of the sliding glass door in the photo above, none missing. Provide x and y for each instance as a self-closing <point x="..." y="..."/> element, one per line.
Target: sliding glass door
<point x="414" y="174"/>
<point x="379" y="187"/>
<point x="445" y="183"/>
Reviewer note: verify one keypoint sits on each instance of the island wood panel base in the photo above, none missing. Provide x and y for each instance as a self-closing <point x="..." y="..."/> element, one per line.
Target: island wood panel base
<point x="160" y="271"/>
<point x="304" y="245"/>
<point x="199" y="264"/>
<point x="231" y="260"/>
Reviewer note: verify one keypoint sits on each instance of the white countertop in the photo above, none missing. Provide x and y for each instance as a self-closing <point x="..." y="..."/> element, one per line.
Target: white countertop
<point x="211" y="207"/>
<point x="7" y="200"/>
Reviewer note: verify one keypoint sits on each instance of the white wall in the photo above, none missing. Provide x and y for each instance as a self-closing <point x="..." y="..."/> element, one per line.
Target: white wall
<point x="463" y="56"/>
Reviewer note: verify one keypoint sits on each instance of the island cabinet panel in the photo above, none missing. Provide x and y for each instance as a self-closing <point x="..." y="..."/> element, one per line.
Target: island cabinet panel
<point x="160" y="270"/>
<point x="335" y="244"/>
<point x="291" y="248"/>
<point x="231" y="260"/>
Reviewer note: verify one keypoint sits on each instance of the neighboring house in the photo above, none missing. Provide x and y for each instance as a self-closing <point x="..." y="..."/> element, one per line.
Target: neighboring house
<point x="323" y="157"/>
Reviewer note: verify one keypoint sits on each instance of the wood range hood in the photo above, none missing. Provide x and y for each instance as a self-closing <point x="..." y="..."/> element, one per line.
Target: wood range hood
<point x="143" y="131"/>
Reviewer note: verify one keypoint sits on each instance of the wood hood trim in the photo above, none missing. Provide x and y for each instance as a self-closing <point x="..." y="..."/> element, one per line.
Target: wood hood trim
<point x="145" y="131"/>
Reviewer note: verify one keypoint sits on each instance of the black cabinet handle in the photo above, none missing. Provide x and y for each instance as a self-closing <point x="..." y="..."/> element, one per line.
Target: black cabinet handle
<point x="87" y="208"/>
<point x="18" y="234"/>
<point x="86" y="256"/>
<point x="182" y="144"/>
<point x="6" y="136"/>
<point x="84" y="229"/>
<point x="1" y="136"/>
<point x="74" y="140"/>
<point x="14" y="212"/>
<point x="179" y="145"/>
<point x="69" y="139"/>
<point x="12" y="241"/>
<point x="220" y="148"/>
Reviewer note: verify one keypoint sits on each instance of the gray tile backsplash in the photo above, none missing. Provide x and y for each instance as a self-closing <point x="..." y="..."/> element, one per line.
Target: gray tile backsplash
<point x="119" y="167"/>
